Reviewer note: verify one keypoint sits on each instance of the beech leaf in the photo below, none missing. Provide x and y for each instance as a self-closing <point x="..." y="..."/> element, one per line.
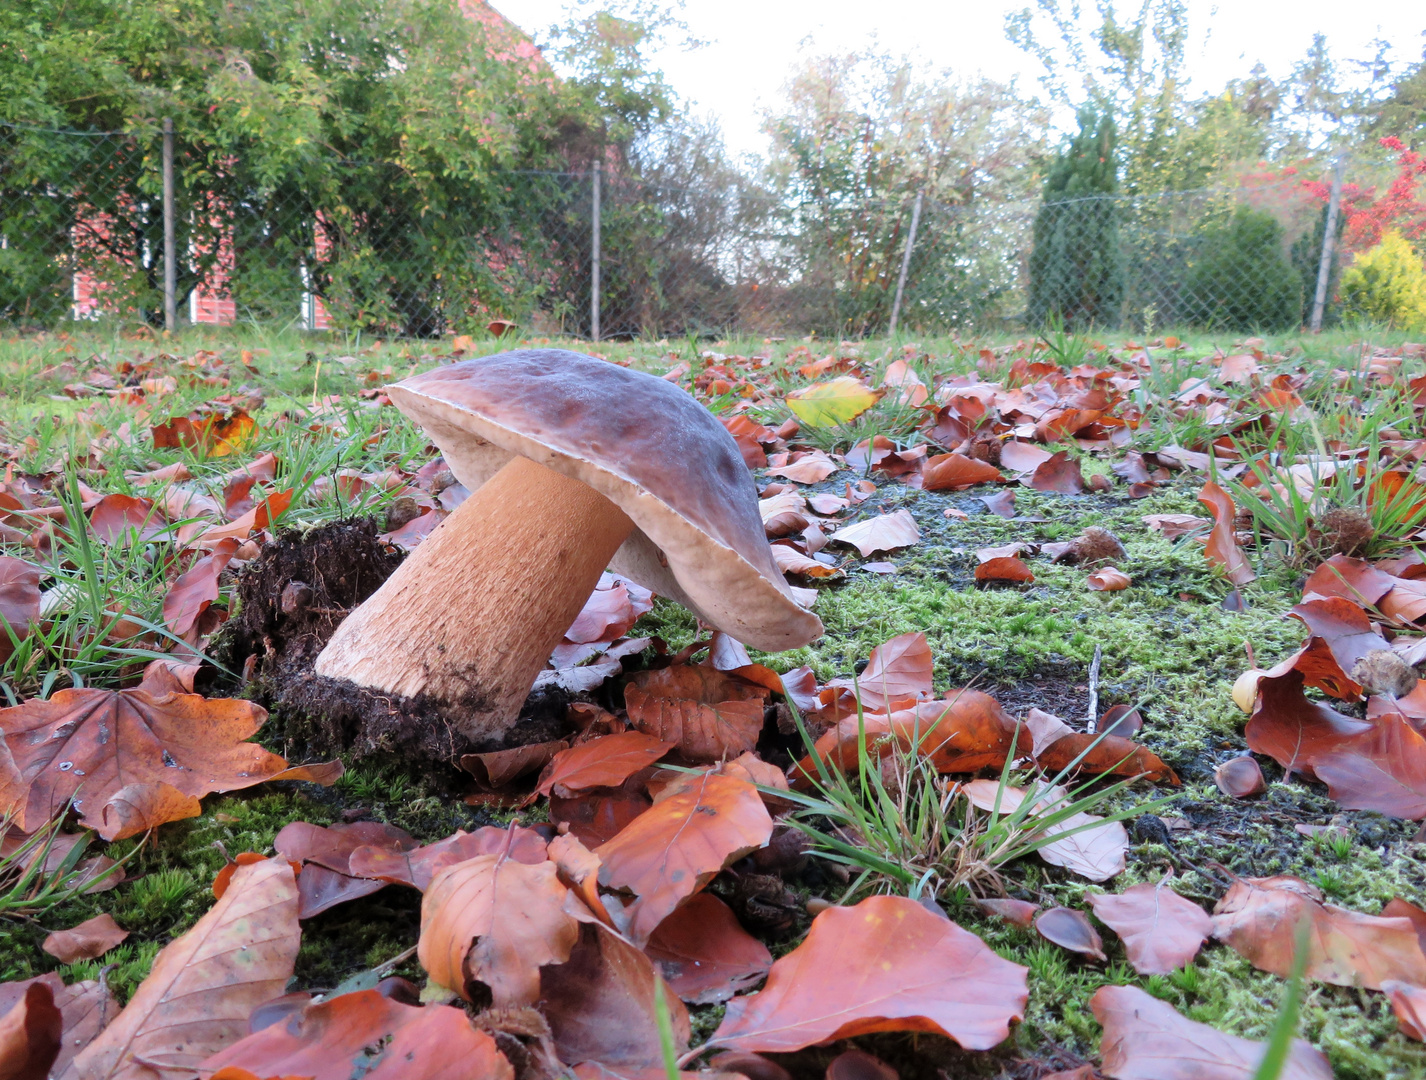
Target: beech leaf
<point x="497" y="921"/>
<point x="674" y="848"/>
<point x="1258" y="917"/>
<point x="1147" y="1039"/>
<point x="885" y="532"/>
<point x="704" y="953"/>
<point x="367" y="1035"/>
<point x="827" y="404"/>
<point x="886" y="964"/>
<point x="204" y="985"/>
<point x="1161" y="930"/>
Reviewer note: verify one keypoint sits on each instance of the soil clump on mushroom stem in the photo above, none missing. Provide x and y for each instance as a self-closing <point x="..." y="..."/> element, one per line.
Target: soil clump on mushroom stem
<point x="292" y="598"/>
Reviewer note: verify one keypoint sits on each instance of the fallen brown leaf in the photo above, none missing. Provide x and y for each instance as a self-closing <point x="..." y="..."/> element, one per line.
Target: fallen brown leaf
<point x="601" y="1005"/>
<point x="1161" y="930"/>
<point x="367" y="1035"/>
<point x="1258" y="917"/>
<point x="204" y="985"/>
<point x="1222" y="546"/>
<point x="1147" y="1039"/>
<point x="674" y="848"/>
<point x="197" y="588"/>
<point x="91" y="938"/>
<point x="704" y="954"/>
<point x="1070" y="929"/>
<point x="1097" y="852"/>
<point x="496" y="921"/>
<point x="604" y="762"/>
<point x="30" y="1031"/>
<point x="886" y="532"/>
<point x="91" y="745"/>
<point x="708" y="715"/>
<point x="886" y="964"/>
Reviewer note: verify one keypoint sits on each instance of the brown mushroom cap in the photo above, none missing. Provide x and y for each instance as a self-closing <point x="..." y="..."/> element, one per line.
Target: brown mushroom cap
<point x="644" y="444"/>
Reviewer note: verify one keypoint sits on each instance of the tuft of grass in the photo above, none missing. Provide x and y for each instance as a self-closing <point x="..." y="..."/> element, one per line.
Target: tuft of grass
<point x="907" y="829"/>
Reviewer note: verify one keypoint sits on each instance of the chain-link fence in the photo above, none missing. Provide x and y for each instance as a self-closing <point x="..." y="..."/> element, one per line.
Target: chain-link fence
<point x="346" y="245"/>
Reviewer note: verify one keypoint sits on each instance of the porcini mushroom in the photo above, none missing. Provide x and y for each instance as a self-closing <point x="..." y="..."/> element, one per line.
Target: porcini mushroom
<point x="574" y="464"/>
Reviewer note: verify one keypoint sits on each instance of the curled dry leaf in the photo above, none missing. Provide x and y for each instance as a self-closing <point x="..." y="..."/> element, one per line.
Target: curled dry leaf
<point x="1147" y="1039"/>
<point x="1240" y="777"/>
<point x="197" y="588"/>
<point x="1161" y="930"/>
<point x="1070" y="929"/>
<point x="1409" y="1004"/>
<point x="955" y="472"/>
<point x="91" y="938"/>
<point x="1060" y="473"/>
<point x="1258" y="917"/>
<point x="899" y="669"/>
<point x="791" y="561"/>
<point x="417" y="866"/>
<point x="498" y="768"/>
<point x="1222" y="546"/>
<point x="708" y="715"/>
<point x="704" y="953"/>
<point x="31" y="1028"/>
<point x="886" y="532"/>
<point x="1005" y="568"/>
<point x="1111" y="754"/>
<point x="205" y="984"/>
<point x="1293" y="731"/>
<point x="886" y="964"/>
<point x="1109" y="580"/>
<point x="85" y="1008"/>
<point x="89" y="745"/>
<point x="674" y="848"/>
<point x="367" y="1035"/>
<point x="601" y="1004"/>
<point x="326" y="879"/>
<point x="1097" y="852"/>
<point x="1383" y="769"/>
<point x="496" y="921"/>
<point x="604" y="762"/>
<point x="1015" y="912"/>
<point x="19" y="601"/>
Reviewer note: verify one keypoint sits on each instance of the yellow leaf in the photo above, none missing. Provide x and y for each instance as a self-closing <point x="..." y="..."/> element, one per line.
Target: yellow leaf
<point x="836" y="402"/>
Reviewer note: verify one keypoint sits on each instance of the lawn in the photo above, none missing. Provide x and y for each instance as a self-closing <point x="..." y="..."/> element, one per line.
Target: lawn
<point x="77" y="424"/>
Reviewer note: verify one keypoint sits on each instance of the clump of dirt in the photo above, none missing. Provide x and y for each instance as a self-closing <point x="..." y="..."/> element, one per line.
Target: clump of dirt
<point x="292" y="598"/>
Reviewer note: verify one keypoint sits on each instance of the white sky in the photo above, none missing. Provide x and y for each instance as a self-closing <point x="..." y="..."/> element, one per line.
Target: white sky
<point x="753" y="43"/>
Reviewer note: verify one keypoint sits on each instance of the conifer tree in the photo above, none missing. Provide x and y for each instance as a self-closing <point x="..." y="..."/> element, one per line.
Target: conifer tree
<point x="1076" y="266"/>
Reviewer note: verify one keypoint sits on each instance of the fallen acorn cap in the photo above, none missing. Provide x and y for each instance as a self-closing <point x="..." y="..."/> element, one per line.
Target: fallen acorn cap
<point x="661" y="487"/>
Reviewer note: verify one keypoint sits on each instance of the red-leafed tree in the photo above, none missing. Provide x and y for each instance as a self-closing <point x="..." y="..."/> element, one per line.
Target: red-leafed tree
<point x="1400" y="208"/>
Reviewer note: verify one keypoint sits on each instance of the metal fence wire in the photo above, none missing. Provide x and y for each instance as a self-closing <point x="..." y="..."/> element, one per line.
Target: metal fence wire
<point x="346" y="246"/>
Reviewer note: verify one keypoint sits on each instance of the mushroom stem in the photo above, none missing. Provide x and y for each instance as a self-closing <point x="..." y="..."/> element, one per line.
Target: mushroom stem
<point x="471" y="616"/>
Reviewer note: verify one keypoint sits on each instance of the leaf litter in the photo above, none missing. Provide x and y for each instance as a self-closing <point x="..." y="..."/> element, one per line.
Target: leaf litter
<point x="669" y="775"/>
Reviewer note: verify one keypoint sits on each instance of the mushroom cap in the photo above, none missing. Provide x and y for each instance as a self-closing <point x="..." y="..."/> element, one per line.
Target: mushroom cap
<point x="644" y="444"/>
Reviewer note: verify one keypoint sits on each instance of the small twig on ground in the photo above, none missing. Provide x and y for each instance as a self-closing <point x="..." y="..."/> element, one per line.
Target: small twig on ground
<point x="1094" y="690"/>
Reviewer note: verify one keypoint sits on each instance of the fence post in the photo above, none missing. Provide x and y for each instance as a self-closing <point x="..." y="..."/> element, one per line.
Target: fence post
<point x="170" y="270"/>
<point x="594" y="270"/>
<point x="905" y="264"/>
<point x="1329" y="246"/>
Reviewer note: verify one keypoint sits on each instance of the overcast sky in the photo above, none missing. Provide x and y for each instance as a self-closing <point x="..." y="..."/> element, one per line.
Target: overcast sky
<point x="753" y="43"/>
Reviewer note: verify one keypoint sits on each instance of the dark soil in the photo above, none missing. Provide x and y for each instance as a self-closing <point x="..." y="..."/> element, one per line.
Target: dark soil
<point x="291" y="600"/>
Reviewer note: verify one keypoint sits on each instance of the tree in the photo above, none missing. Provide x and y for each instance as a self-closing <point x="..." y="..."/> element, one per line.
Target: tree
<point x="1242" y="279"/>
<point x="858" y="137"/>
<point x="1076" y="267"/>
<point x="391" y="149"/>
